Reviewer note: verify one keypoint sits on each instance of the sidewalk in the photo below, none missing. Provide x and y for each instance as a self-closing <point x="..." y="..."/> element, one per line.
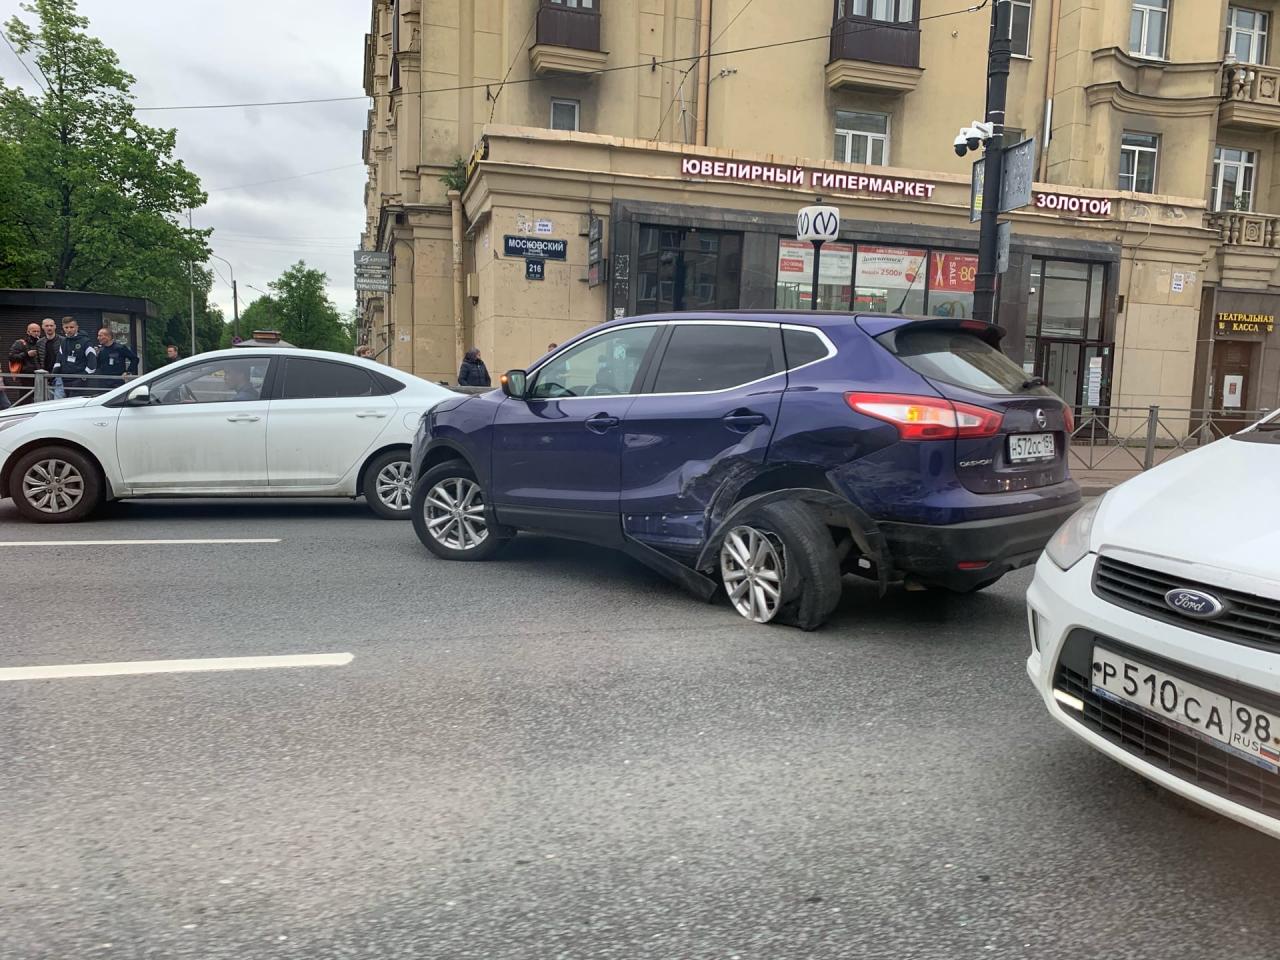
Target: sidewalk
<point x="1113" y="467"/>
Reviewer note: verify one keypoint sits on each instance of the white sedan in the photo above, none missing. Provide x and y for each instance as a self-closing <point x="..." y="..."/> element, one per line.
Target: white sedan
<point x="276" y="422"/>
<point x="1155" y="626"/>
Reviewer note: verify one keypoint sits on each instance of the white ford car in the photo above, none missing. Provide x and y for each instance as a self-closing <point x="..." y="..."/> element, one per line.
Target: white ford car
<point x="1155" y="625"/>
<point x="275" y="422"/>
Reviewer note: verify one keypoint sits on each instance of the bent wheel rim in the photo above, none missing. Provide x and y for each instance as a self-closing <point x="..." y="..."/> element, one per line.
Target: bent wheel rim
<point x="53" y="486"/>
<point x="751" y="566"/>
<point x="393" y="486"/>
<point x="454" y="514"/>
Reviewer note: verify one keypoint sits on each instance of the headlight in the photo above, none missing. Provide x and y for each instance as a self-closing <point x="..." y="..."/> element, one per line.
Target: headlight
<point x="1070" y="544"/>
<point x="7" y="422"/>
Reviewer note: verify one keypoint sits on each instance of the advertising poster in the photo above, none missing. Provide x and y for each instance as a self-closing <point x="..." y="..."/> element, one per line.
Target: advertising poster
<point x="795" y="263"/>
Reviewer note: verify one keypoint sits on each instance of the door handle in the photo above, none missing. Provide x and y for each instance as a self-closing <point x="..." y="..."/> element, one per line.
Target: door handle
<point x="366" y="414"/>
<point x="243" y="418"/>
<point x="602" y="423"/>
<point x="742" y="421"/>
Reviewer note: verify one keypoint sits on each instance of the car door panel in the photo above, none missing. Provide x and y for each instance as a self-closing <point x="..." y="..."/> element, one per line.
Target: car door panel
<point x="316" y="442"/>
<point x="210" y="443"/>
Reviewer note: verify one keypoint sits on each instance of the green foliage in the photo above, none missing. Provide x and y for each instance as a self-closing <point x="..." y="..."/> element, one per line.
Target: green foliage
<point x="90" y="197"/>
<point x="455" y="178"/>
<point x="300" y="308"/>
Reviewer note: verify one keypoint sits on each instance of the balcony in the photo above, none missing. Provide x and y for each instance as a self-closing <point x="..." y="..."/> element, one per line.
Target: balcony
<point x="1250" y="250"/>
<point x="567" y="39"/>
<point x="1250" y="97"/>
<point x="873" y="55"/>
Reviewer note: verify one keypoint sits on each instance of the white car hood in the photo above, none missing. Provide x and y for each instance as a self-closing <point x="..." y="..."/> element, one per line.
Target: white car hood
<point x="48" y="406"/>
<point x="1214" y="507"/>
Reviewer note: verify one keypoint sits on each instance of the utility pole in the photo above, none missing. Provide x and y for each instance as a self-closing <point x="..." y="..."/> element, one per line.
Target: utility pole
<point x="984" y="293"/>
<point x="235" y="296"/>
<point x="191" y="284"/>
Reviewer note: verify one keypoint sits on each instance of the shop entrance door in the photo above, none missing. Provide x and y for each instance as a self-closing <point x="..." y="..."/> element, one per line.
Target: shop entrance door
<point x="1059" y="367"/>
<point x="1232" y="372"/>
<point x="687" y="269"/>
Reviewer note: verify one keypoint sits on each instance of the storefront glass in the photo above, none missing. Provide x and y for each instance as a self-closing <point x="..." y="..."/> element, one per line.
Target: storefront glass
<point x="1065" y="342"/>
<point x="876" y="277"/>
<point x="951" y="282"/>
<point x="890" y="279"/>
<point x="687" y="269"/>
<point x="795" y="275"/>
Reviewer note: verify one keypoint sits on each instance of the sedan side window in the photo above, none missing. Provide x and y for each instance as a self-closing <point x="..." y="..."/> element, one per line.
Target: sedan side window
<point x="233" y="380"/>
<point x="317" y="379"/>
<point x="604" y="366"/>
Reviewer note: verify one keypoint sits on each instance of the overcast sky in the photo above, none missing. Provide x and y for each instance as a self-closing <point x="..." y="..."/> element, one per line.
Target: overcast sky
<point x="235" y="51"/>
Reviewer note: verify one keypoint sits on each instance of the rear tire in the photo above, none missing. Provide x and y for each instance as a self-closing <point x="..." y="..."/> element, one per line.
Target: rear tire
<point x="55" y="485"/>
<point x="388" y="485"/>
<point x="452" y="516"/>
<point x="778" y="564"/>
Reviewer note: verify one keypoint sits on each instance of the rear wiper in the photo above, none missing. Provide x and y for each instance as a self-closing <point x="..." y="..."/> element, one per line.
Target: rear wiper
<point x="1033" y="382"/>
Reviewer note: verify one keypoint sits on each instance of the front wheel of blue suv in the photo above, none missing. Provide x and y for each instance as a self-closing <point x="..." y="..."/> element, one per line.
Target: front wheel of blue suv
<point x="451" y="514"/>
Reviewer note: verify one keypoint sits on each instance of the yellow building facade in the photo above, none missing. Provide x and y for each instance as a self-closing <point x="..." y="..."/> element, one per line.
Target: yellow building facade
<point x="539" y="166"/>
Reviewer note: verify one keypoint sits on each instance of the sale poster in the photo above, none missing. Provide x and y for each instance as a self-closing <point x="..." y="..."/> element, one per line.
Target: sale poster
<point x="892" y="268"/>
<point x="953" y="272"/>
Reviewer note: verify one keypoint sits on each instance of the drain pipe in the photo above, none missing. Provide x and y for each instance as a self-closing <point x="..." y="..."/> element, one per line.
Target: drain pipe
<point x="1051" y="76"/>
<point x="459" y="289"/>
<point x="704" y="70"/>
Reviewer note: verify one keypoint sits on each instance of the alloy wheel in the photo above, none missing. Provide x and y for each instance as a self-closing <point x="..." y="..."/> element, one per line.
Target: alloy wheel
<point x="751" y="566"/>
<point x="394" y="485"/>
<point x="454" y="512"/>
<point x="53" y="486"/>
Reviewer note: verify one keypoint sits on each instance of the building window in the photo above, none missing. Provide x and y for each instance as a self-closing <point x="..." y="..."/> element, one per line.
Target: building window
<point x="1021" y="10"/>
<point x="564" y="114"/>
<point x="1138" y="152"/>
<point x="885" y="11"/>
<point x="1148" y="27"/>
<point x="1014" y="135"/>
<point x="1247" y="34"/>
<point x="1232" y="179"/>
<point x="862" y="138"/>
<point x="574" y="4"/>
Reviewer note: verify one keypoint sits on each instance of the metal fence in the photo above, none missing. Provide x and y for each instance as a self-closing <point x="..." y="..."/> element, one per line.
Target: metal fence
<point x="23" y="388"/>
<point x="1129" y="438"/>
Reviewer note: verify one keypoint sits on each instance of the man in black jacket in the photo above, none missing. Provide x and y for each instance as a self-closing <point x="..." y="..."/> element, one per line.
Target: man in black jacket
<point x="74" y="357"/>
<point x="47" y="349"/>
<point x="111" y="359"/>
<point x="22" y="360"/>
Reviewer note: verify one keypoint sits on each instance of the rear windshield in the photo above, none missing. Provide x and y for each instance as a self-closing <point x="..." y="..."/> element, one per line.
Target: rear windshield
<point x="956" y="358"/>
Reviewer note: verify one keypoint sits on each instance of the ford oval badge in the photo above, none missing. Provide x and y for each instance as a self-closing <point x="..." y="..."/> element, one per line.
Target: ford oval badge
<point x="1194" y="603"/>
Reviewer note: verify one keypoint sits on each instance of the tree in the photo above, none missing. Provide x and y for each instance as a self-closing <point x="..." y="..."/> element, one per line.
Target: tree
<point x="303" y="312"/>
<point x="90" y="197"/>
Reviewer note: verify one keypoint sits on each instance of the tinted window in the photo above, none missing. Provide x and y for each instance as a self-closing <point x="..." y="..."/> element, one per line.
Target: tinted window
<point x="802" y="346"/>
<point x="314" y="379"/>
<point x="388" y="384"/>
<point x="957" y="358"/>
<point x="603" y="366"/>
<point x="716" y="356"/>
<point x="215" y="381"/>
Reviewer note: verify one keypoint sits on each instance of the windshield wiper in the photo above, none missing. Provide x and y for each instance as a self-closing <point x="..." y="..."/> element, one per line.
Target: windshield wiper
<point x="1033" y="382"/>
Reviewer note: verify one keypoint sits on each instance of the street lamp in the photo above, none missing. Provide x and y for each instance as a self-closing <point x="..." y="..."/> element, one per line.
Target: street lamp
<point x="235" y="296"/>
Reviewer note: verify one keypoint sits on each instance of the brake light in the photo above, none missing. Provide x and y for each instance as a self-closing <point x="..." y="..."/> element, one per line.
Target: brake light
<point x="927" y="418"/>
<point x="1070" y="417"/>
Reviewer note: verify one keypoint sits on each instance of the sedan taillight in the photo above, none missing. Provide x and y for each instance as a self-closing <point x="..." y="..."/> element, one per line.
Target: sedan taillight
<point x="927" y="418"/>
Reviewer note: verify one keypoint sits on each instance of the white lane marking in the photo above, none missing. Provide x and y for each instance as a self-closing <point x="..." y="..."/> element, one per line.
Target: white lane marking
<point x="67" y="671"/>
<point x="122" y="543"/>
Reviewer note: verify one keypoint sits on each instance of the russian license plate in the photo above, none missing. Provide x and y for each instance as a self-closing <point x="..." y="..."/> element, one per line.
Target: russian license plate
<point x="1024" y="447"/>
<point x="1238" y="727"/>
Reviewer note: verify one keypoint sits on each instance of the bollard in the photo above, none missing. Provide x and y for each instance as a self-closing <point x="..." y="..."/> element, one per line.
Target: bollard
<point x="1153" y="422"/>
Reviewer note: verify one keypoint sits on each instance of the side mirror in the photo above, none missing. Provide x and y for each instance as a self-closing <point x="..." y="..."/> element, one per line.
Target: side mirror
<point x="139" y="396"/>
<point x="514" y="383"/>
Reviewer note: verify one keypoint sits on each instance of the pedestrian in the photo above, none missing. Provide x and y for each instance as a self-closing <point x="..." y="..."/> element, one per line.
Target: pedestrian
<point x="112" y="360"/>
<point x="23" y="364"/>
<point x="171" y="354"/>
<point x="364" y="350"/>
<point x="551" y="346"/>
<point x="47" y="355"/>
<point x="473" y="372"/>
<point x="73" y="358"/>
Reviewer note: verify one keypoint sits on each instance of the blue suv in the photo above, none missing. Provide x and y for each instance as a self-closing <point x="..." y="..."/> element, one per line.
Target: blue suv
<point x="766" y="454"/>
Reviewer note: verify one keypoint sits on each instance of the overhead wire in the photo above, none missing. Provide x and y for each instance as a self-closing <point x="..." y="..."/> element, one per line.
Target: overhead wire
<point x="30" y="72"/>
<point x="296" y="176"/>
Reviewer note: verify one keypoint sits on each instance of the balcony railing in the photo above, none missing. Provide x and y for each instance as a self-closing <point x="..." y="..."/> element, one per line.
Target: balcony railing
<point x="1250" y="96"/>
<point x="873" y="41"/>
<point x="562" y="26"/>
<point x="1240" y="228"/>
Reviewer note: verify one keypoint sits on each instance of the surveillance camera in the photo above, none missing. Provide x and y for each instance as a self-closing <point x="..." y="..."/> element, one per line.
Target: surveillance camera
<point x="972" y="139"/>
<point x="961" y="145"/>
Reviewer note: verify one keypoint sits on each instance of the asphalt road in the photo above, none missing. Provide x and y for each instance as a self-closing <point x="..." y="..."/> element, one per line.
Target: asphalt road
<point x="554" y="755"/>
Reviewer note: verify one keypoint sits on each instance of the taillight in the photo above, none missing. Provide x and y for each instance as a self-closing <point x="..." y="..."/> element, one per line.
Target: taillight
<point x="927" y="418"/>
<point x="1070" y="417"/>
